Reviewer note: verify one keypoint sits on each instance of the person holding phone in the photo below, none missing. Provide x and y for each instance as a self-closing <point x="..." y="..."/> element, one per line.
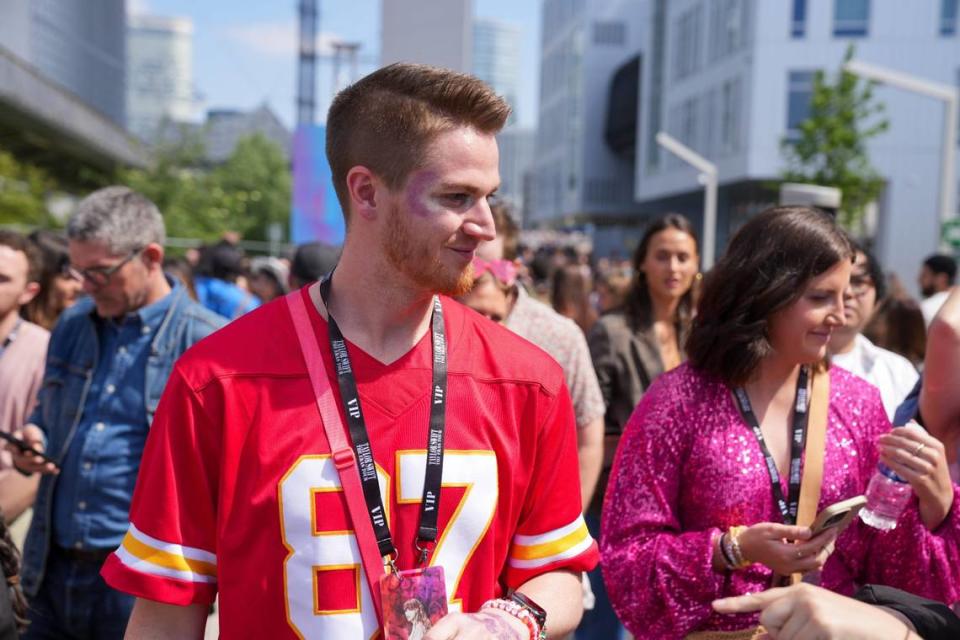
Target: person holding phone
<point x="702" y="502"/>
<point x="108" y="361"/>
<point x="23" y="346"/>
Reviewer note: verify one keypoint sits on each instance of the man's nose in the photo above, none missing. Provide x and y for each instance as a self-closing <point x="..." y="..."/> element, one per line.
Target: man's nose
<point x="480" y="223"/>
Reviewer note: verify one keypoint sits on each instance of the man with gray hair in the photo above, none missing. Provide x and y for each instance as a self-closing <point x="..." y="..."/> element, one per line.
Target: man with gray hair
<point x="109" y="359"/>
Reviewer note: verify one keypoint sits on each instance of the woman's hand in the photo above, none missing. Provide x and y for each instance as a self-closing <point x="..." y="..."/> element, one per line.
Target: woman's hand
<point x="920" y="459"/>
<point x="772" y="545"/>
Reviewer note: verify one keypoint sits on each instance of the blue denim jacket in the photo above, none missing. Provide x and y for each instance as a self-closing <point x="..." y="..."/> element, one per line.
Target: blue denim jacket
<point x="71" y="360"/>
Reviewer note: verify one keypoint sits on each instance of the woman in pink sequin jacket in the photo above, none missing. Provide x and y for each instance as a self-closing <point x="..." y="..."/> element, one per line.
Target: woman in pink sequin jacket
<point x="689" y="467"/>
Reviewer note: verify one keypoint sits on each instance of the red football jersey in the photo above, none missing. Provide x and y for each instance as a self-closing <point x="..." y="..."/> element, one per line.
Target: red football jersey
<point x="238" y="493"/>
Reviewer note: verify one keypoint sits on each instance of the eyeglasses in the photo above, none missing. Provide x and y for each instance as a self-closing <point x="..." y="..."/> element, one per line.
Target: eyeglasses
<point x="99" y="276"/>
<point x="859" y="283"/>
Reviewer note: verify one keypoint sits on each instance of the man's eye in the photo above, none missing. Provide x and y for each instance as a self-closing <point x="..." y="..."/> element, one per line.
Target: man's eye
<point x="457" y="199"/>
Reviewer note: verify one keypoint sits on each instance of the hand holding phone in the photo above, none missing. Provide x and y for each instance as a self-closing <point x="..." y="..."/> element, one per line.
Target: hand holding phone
<point x="27" y="451"/>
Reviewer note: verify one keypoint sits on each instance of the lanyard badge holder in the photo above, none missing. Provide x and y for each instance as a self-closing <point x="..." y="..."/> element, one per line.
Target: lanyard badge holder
<point x="408" y="602"/>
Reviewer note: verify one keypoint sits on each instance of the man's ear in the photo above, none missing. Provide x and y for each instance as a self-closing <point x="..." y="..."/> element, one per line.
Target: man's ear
<point x="29" y="293"/>
<point x="366" y="191"/>
<point x="153" y="253"/>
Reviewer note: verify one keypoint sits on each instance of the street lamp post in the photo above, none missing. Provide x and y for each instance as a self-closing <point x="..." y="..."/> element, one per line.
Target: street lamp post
<point x="708" y="178"/>
<point x="949" y="96"/>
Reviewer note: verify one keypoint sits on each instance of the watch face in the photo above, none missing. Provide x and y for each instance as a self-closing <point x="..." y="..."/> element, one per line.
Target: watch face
<point x="538" y="612"/>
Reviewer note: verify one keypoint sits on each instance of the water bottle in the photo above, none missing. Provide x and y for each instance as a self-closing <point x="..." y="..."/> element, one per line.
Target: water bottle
<point x="887" y="497"/>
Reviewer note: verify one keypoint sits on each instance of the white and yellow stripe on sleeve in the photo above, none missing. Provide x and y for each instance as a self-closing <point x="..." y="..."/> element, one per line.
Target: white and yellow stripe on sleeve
<point x="531" y="552"/>
<point x="148" y="555"/>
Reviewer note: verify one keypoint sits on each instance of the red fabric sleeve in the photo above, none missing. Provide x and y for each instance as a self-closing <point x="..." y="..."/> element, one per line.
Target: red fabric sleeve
<point x="552" y="534"/>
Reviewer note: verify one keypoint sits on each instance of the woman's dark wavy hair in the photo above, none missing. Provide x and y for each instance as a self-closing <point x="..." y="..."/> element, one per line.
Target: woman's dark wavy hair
<point x="637" y="306"/>
<point x="10" y="565"/>
<point x="766" y="268"/>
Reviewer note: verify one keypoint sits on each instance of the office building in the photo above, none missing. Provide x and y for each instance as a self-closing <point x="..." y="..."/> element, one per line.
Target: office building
<point x="159" y="72"/>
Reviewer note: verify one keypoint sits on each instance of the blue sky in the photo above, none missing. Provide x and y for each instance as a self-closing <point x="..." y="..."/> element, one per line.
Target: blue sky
<point x="245" y="51"/>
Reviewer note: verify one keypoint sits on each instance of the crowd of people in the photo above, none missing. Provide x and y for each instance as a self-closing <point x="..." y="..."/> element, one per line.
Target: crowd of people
<point x="442" y="432"/>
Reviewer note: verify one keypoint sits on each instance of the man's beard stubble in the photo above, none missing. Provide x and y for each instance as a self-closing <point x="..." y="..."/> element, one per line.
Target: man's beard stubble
<point x="417" y="262"/>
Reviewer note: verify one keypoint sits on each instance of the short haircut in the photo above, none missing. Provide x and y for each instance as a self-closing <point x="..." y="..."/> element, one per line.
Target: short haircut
<point x="386" y="120"/>
<point x="312" y="261"/>
<point x="766" y="268"/>
<point x="223" y="260"/>
<point x="119" y="217"/>
<point x="874" y="270"/>
<point x="19" y="242"/>
<point x="507" y="229"/>
<point x="942" y="263"/>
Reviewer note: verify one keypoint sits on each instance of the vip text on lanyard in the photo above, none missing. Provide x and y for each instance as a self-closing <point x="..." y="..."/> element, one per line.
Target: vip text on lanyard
<point x="800" y="413"/>
<point x="350" y="396"/>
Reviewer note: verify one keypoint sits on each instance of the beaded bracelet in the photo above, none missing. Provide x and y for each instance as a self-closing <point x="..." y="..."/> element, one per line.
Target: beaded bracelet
<point x="519" y="612"/>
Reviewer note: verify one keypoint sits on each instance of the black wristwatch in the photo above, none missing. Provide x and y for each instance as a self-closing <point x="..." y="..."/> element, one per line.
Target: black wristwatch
<point x="531" y="606"/>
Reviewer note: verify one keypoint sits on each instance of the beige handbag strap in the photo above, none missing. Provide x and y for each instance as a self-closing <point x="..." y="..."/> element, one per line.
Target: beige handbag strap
<point x="813" y="453"/>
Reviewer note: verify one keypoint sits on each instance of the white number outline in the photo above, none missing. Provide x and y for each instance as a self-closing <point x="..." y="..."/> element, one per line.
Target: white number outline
<point x="459" y="468"/>
<point x="323" y="479"/>
<point x="473" y="470"/>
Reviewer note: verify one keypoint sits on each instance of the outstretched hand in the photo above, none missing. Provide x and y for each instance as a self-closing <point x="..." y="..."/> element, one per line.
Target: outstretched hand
<point x="804" y="611"/>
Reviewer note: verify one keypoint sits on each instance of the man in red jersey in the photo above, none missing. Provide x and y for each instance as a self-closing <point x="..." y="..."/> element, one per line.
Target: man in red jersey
<point x="238" y="492"/>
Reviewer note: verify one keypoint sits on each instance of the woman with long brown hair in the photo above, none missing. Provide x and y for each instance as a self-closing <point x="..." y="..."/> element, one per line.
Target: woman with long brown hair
<point x="631" y="346"/>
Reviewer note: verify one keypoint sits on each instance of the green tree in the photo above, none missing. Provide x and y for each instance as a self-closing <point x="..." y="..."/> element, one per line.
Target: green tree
<point x="246" y="194"/>
<point x="256" y="184"/>
<point x="23" y="190"/>
<point x="831" y="149"/>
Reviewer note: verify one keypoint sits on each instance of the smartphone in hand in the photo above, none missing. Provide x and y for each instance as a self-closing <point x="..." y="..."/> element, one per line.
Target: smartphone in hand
<point x="838" y="514"/>
<point x="26" y="448"/>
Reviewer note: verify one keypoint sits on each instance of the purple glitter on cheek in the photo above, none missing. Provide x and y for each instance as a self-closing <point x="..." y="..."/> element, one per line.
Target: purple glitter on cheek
<point x="417" y="197"/>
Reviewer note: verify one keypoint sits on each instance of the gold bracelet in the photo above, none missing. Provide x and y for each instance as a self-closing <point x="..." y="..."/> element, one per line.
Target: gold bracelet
<point x="734" y="536"/>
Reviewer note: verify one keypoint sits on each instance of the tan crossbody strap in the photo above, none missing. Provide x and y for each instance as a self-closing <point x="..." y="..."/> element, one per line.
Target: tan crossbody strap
<point x="813" y="452"/>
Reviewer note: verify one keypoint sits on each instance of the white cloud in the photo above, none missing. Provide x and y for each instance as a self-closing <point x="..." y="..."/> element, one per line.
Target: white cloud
<point x="278" y="39"/>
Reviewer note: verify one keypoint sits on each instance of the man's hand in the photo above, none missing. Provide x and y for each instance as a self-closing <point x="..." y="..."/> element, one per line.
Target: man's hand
<point x="488" y="624"/>
<point x="805" y="611"/>
<point x="26" y="461"/>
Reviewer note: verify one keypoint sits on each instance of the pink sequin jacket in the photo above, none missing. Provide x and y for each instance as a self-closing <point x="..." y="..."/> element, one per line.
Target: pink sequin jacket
<point x="688" y="467"/>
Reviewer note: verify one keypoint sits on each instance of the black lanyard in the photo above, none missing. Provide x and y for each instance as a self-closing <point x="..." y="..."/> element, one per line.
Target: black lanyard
<point x="349" y="395"/>
<point x="801" y="405"/>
